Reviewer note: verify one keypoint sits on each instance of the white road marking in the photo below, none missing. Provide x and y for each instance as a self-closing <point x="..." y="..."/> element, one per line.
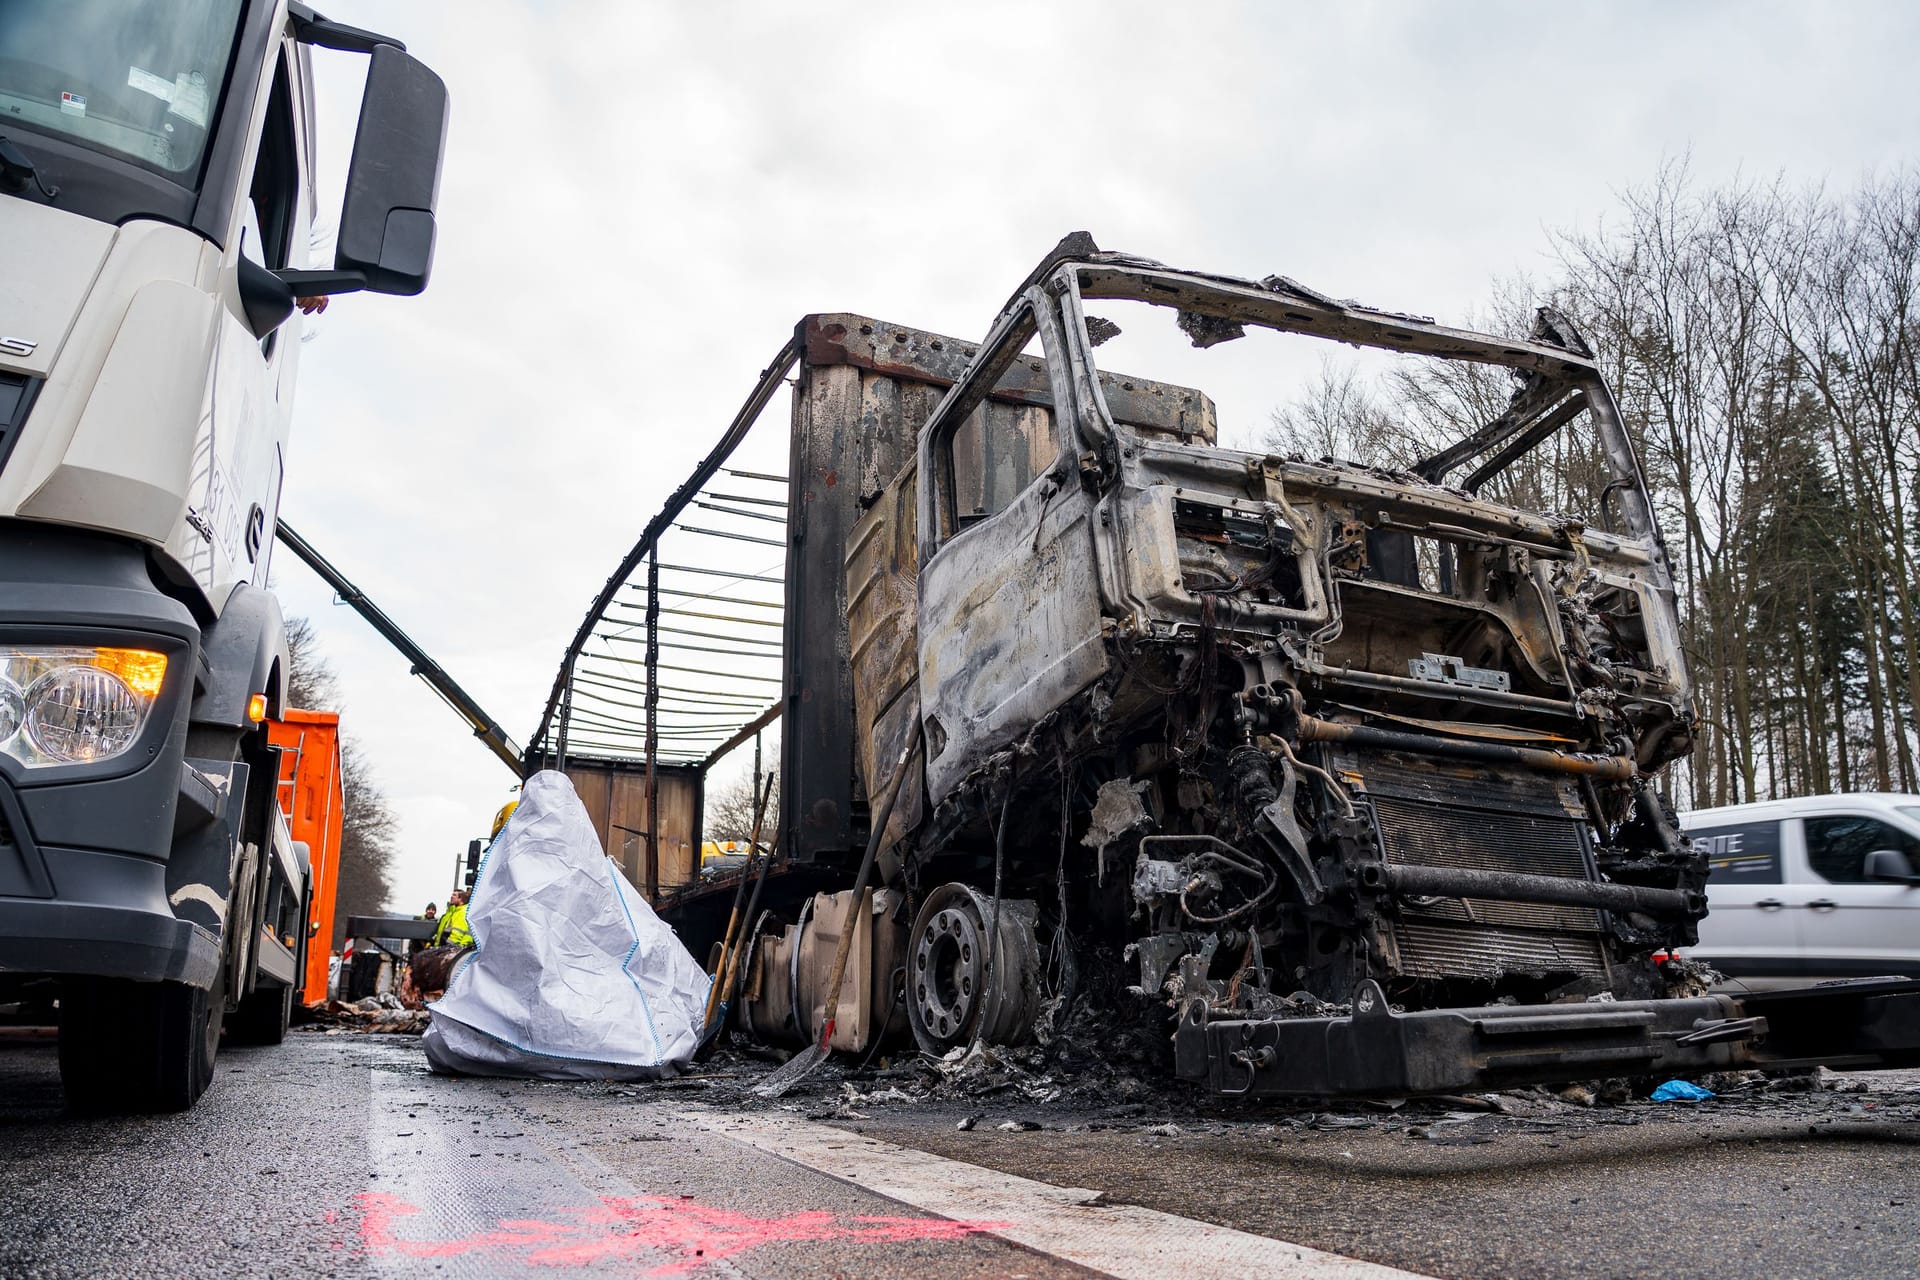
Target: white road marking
<point x="1068" y="1223"/>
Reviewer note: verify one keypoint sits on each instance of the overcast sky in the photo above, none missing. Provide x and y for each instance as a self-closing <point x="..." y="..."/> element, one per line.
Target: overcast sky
<point x="640" y="199"/>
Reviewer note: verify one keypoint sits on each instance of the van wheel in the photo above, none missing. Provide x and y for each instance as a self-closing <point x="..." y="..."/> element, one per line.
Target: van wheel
<point x="262" y="1017"/>
<point x="138" y="1046"/>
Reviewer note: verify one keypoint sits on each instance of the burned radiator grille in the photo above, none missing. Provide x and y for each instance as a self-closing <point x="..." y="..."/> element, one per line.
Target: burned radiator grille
<point x="1434" y="950"/>
<point x="1434" y="818"/>
<point x="1429" y="836"/>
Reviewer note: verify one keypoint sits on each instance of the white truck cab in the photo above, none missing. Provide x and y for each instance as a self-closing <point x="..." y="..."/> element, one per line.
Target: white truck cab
<point x="156" y="202"/>
<point x="1811" y="889"/>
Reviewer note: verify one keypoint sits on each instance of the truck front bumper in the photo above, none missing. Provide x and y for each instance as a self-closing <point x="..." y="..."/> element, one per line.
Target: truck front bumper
<point x="1869" y="1022"/>
<point x="109" y="918"/>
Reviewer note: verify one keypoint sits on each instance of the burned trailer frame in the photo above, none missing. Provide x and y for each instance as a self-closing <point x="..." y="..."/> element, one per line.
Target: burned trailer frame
<point x="628" y="727"/>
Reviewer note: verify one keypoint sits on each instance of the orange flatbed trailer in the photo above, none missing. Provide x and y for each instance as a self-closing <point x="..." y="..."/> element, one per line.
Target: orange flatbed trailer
<point x="312" y="796"/>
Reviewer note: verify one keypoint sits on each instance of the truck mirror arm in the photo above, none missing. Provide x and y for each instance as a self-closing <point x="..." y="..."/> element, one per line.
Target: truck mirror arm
<point x="313" y="284"/>
<point x="322" y="32"/>
<point x="265" y="299"/>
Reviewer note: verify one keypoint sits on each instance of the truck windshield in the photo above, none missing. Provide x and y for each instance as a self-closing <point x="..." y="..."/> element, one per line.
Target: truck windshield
<point x="137" y="80"/>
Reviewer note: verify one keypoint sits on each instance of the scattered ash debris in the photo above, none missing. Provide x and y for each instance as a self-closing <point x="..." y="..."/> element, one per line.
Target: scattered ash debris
<point x="1079" y="1082"/>
<point x="381" y="1013"/>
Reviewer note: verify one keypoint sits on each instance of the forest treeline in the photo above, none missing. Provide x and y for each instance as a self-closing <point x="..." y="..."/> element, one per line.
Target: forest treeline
<point x="1763" y="342"/>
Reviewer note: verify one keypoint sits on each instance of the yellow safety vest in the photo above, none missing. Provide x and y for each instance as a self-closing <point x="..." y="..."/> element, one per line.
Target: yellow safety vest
<point x="453" y="928"/>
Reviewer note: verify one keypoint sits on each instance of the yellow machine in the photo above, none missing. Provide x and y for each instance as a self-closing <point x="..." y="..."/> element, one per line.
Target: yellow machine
<point x="714" y="852"/>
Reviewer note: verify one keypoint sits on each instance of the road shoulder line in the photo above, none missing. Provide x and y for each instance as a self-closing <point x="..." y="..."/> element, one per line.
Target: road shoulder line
<point x="1069" y="1223"/>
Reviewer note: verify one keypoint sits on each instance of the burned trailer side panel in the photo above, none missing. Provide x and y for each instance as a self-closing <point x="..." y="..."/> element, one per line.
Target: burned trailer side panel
<point x="883" y="591"/>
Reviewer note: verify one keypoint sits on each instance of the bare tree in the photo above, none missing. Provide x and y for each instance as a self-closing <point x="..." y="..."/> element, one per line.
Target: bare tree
<point x="311" y="681"/>
<point x="729" y="808"/>
<point x="1342" y="415"/>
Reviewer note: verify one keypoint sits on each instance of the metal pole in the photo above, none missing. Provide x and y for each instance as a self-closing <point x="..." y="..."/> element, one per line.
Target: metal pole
<point x="566" y="716"/>
<point x="653" y="724"/>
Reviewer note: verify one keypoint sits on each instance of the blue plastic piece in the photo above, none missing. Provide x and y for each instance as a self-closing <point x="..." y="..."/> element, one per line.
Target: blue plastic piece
<point x="1681" y="1091"/>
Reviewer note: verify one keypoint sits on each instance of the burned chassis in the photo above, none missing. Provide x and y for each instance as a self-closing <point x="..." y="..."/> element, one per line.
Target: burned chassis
<point x="1310" y="777"/>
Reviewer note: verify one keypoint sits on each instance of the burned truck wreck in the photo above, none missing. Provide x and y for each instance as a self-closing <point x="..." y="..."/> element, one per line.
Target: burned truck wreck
<point x="1349" y="773"/>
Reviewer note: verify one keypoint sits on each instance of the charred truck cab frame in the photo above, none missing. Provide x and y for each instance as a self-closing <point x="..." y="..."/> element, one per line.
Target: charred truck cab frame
<point x="1320" y="738"/>
<point x="1307" y="766"/>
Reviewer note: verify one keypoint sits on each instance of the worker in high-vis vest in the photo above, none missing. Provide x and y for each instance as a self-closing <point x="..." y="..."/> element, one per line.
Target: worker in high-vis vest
<point x="452" y="929"/>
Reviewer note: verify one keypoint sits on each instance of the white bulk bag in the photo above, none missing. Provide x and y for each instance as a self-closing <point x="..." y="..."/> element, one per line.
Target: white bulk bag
<point x="574" y="977"/>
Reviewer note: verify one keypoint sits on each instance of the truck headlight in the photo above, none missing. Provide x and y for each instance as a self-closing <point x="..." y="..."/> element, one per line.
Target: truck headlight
<point x="72" y="705"/>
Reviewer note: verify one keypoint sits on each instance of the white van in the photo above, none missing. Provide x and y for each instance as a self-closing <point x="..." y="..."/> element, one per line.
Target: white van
<point x="1820" y="887"/>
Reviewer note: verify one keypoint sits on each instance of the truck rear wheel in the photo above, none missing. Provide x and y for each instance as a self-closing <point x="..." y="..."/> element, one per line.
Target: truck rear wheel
<point x="262" y="1017"/>
<point x="137" y="1046"/>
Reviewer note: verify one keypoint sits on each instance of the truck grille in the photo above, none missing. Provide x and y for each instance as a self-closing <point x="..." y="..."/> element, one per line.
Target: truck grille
<point x="1434" y="813"/>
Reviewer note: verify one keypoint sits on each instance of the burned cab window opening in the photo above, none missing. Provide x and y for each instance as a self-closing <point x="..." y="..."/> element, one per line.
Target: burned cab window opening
<point x="989" y="450"/>
<point x="995" y="454"/>
<point x="1528" y="441"/>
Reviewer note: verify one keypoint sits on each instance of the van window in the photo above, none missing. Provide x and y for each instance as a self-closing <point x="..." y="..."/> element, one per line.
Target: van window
<point x="1742" y="852"/>
<point x="1838" y="847"/>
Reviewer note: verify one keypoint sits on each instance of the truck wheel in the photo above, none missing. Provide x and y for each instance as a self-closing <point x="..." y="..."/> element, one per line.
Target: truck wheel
<point x="953" y="992"/>
<point x="262" y="1017"/>
<point x="138" y="1046"/>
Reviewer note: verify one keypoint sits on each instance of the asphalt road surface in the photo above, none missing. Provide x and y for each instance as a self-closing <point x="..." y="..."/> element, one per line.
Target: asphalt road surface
<point x="338" y="1155"/>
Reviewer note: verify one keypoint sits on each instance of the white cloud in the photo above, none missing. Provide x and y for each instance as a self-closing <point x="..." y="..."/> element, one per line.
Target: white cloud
<point x="641" y="199"/>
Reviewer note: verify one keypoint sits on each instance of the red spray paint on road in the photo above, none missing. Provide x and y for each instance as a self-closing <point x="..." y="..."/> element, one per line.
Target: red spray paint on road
<point x="641" y="1229"/>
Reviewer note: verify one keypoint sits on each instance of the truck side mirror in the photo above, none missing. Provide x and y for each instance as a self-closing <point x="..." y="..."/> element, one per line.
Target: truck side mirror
<point x="393" y="183"/>
<point x="1892" y="865"/>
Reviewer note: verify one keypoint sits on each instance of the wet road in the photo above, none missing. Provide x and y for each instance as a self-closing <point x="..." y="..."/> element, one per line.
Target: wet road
<point x="341" y="1156"/>
<point x="337" y="1155"/>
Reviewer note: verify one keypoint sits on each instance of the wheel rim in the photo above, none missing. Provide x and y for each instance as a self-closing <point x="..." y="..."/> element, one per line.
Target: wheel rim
<point x="955" y="989"/>
<point x="947" y="968"/>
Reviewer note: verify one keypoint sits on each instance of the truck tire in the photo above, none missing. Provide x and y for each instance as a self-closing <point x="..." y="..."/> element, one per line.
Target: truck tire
<point x="262" y="1017"/>
<point x="138" y="1046"/>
